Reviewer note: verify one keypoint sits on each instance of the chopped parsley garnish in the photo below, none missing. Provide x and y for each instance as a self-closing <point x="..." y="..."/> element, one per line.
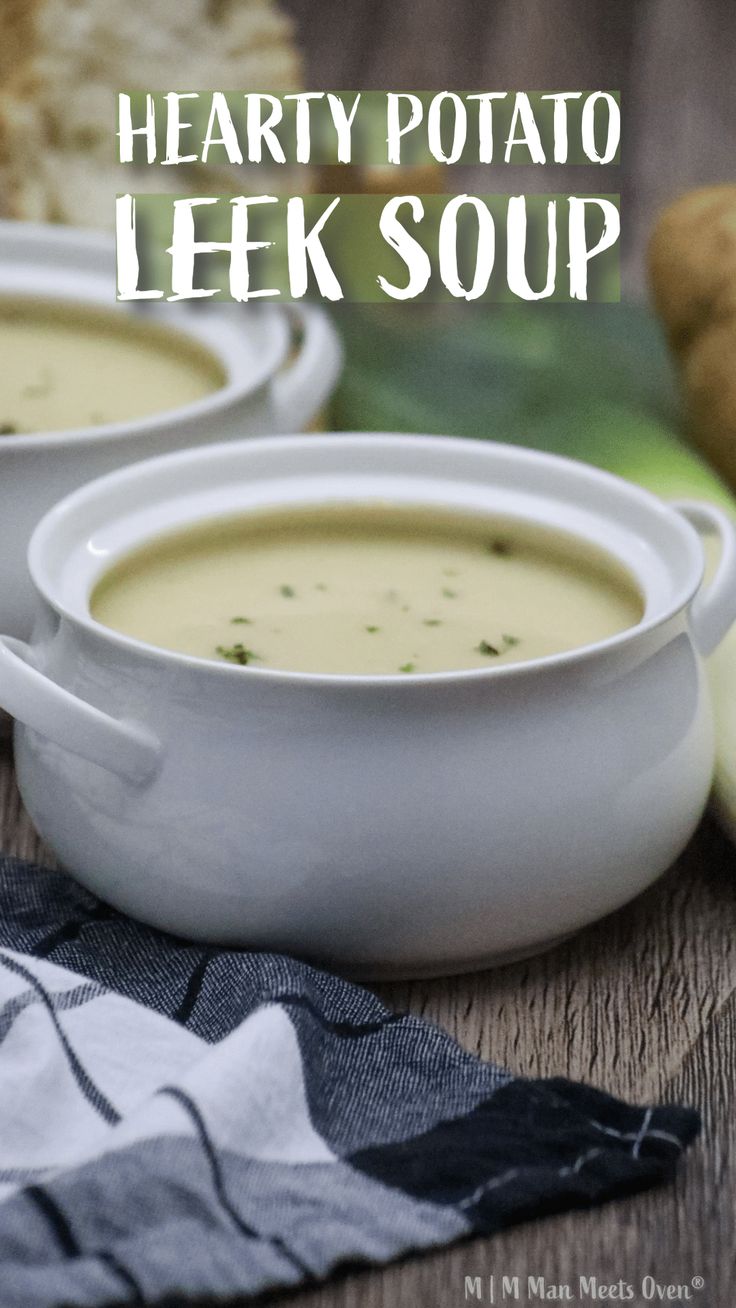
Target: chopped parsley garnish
<point x="240" y="620"/>
<point x="449" y="594"/>
<point x="510" y="641"/>
<point x="406" y="667"/>
<point x="288" y="592"/>
<point x="372" y="629"/>
<point x="432" y="622"/>
<point x="236" y="653"/>
<point x="8" y="429"/>
<point x="500" y="547"/>
<point x="486" y="648"/>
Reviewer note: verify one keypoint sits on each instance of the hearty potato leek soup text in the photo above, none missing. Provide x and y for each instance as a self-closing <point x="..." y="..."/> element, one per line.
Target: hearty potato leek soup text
<point x="367" y="589"/>
<point x="65" y="367"/>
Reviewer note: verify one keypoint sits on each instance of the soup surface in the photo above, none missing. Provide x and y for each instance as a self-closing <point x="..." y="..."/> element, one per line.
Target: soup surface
<point x="63" y="367"/>
<point x="367" y="589"/>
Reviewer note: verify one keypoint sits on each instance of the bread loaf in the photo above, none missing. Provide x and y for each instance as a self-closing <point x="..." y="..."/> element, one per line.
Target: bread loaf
<point x="62" y="63"/>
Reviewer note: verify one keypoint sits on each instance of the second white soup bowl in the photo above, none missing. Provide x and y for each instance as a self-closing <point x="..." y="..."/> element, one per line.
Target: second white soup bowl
<point x="389" y="825"/>
<point x="279" y="367"/>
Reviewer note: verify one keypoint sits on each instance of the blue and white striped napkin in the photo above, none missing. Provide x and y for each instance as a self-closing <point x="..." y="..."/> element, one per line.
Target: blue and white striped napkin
<point x="180" y="1121"/>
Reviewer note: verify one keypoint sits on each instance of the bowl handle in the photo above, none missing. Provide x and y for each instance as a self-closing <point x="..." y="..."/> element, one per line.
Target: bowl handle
<point x="125" y="748"/>
<point x="713" y="610"/>
<point x="300" y="389"/>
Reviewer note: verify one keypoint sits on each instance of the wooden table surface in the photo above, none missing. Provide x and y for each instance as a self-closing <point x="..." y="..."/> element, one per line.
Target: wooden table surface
<point x="643" y="1005"/>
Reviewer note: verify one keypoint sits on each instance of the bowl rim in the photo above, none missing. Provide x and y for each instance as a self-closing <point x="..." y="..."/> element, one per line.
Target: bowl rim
<point x="71" y="504"/>
<point x="232" y="392"/>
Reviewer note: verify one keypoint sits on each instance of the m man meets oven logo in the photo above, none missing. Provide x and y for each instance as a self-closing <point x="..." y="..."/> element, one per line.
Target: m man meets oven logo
<point x="587" y="1289"/>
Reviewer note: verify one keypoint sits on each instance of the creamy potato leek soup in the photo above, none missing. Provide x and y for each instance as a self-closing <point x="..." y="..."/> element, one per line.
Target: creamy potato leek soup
<point x="66" y="366"/>
<point x="367" y="589"/>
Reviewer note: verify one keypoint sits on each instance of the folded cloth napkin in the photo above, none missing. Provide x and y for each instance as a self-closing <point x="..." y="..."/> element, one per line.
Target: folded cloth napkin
<point x="182" y="1121"/>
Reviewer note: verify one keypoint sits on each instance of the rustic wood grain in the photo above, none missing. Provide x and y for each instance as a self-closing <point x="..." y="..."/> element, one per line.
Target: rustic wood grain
<point x="642" y="1004"/>
<point x="17" y="835"/>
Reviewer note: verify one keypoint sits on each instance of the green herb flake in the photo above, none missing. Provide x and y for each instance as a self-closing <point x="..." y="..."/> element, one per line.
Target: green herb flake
<point x="510" y="641"/>
<point x="236" y="653"/>
<point x="407" y="667"/>
<point x="486" y="648"/>
<point x="8" y="429"/>
<point x="288" y="592"/>
<point x="432" y="622"/>
<point x="500" y="547"/>
<point x="372" y="629"/>
<point x="449" y="594"/>
<point x="247" y="621"/>
<point x="320" y="585"/>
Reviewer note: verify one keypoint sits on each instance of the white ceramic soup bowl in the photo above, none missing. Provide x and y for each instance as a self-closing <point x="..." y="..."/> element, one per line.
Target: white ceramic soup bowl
<point x="262" y="393"/>
<point x="394" y="825"/>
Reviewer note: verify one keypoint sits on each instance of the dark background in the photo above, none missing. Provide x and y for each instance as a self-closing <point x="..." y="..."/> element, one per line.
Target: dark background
<point x="674" y="62"/>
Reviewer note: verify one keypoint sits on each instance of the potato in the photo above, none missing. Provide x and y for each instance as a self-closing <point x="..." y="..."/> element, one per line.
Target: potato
<point x="692" y="262"/>
<point x="709" y="381"/>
